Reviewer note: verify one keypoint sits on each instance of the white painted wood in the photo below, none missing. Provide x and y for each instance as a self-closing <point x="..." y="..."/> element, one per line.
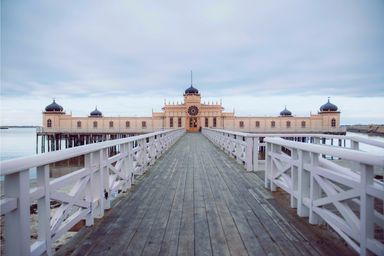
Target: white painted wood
<point x="87" y="186"/>
<point x="44" y="209"/>
<point x="16" y="226"/>
<point x="314" y="182"/>
<point x="321" y="182"/>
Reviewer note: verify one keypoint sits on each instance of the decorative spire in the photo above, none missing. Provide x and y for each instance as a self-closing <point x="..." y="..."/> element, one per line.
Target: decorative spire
<point x="191" y="79"/>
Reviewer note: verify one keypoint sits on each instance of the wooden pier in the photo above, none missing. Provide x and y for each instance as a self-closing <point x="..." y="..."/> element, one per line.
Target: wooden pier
<point x="195" y="200"/>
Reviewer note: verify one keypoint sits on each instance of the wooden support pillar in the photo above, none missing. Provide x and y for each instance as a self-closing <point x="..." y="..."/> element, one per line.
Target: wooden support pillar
<point x="37" y="143"/>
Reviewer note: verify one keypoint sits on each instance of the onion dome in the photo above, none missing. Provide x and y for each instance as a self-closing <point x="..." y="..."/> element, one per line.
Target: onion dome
<point x="54" y="107"/>
<point x="285" y="112"/>
<point x="96" y="113"/>
<point x="328" y="107"/>
<point x="191" y="90"/>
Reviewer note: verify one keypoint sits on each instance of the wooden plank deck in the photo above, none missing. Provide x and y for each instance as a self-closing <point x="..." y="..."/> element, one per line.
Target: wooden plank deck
<point x="196" y="200"/>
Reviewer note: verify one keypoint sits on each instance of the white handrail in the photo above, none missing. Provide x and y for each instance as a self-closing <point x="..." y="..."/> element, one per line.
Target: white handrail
<point x="343" y="153"/>
<point x="22" y="163"/>
<point x="248" y="148"/>
<point x="315" y="183"/>
<point x="309" y="135"/>
<point x="90" y="188"/>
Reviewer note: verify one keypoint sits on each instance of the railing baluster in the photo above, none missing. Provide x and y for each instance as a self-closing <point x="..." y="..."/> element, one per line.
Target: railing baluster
<point x="16" y="229"/>
<point x="366" y="208"/>
<point x="44" y="208"/>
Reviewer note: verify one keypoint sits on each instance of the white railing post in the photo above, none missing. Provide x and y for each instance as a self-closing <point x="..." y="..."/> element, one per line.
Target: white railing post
<point x="268" y="164"/>
<point x="126" y="168"/>
<point x="44" y="208"/>
<point x="255" y="152"/>
<point x="152" y="149"/>
<point x="275" y="149"/>
<point x="249" y="153"/>
<point x="104" y="179"/>
<point x="315" y="190"/>
<point x="89" y="193"/>
<point x="131" y="167"/>
<point x="303" y="185"/>
<point x="366" y="208"/>
<point x="16" y="229"/>
<point x="294" y="177"/>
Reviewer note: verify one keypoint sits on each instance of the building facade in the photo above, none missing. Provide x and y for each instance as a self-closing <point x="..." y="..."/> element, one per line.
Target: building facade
<point x="192" y="115"/>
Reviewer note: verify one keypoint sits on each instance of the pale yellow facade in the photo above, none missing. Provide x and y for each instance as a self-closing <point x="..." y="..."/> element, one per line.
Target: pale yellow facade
<point x="191" y="114"/>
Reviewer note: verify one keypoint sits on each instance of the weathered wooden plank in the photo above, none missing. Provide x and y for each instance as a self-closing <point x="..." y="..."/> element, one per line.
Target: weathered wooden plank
<point x="280" y="231"/>
<point x="194" y="200"/>
<point x="234" y="241"/>
<point x="186" y="235"/>
<point x="170" y="241"/>
<point x="248" y="237"/>
<point x="156" y="234"/>
<point x="121" y="225"/>
<point x="216" y="232"/>
<point x="202" y="238"/>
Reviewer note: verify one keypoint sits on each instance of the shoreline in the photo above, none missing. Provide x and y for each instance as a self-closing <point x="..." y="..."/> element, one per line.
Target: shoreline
<point x="370" y="130"/>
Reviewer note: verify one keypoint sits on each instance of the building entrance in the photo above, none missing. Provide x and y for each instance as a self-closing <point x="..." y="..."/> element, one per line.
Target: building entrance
<point x="193" y="125"/>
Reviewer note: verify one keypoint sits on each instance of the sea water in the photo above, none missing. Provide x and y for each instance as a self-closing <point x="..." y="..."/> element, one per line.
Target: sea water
<point x="18" y="142"/>
<point x="21" y="142"/>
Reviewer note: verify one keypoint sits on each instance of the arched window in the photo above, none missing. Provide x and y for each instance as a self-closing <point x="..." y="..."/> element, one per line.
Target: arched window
<point x="288" y="124"/>
<point x="171" y="122"/>
<point x="302" y="124"/>
<point x="214" y="122"/>
<point x="144" y="124"/>
<point x="273" y="123"/>
<point x="333" y="122"/>
<point x="49" y="123"/>
<point x="78" y="124"/>
<point x="257" y="123"/>
<point x="179" y="122"/>
<point x="95" y="124"/>
<point x="110" y="124"/>
<point x="206" y="122"/>
<point x="241" y="124"/>
<point x="127" y="124"/>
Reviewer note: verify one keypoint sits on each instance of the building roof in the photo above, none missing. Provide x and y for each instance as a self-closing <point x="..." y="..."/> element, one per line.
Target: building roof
<point x="96" y="113"/>
<point x="191" y="90"/>
<point x="54" y="107"/>
<point x="328" y="107"/>
<point x="285" y="112"/>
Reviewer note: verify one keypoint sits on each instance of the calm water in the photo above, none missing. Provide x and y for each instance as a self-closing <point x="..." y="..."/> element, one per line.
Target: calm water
<point x="19" y="142"/>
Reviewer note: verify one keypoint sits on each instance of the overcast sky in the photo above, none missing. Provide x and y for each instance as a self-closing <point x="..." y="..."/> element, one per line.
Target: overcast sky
<point x="126" y="57"/>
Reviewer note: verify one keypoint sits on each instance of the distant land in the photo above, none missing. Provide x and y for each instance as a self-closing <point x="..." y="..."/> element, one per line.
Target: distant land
<point x="18" y="126"/>
<point x="370" y="129"/>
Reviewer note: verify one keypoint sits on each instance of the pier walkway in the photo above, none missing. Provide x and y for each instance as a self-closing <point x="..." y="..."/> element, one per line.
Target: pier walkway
<point x="195" y="200"/>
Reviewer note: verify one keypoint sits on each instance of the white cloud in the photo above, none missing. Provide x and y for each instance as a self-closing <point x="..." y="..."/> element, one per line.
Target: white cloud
<point x="83" y="51"/>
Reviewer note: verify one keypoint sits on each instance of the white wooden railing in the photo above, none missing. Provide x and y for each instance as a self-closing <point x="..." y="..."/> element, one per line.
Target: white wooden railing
<point x="246" y="147"/>
<point x="350" y="200"/>
<point x="343" y="197"/>
<point x="83" y="194"/>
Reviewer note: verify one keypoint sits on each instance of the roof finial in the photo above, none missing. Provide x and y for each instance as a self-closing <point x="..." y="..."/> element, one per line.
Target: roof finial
<point x="285" y="106"/>
<point x="191" y="79"/>
<point x="328" y="98"/>
<point x="53" y="99"/>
